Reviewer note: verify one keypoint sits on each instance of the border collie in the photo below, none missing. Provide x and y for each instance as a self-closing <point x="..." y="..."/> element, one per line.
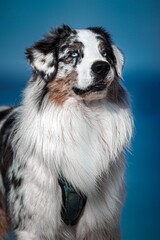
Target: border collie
<point x="62" y="151"/>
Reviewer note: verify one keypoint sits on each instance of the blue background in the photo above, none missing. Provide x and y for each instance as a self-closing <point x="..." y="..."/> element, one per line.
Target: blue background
<point x="134" y="26"/>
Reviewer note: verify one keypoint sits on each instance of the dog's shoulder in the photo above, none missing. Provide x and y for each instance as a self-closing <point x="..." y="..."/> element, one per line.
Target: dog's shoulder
<point x="8" y="116"/>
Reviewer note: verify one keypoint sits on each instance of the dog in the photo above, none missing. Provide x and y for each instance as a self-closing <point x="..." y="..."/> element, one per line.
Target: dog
<point x="62" y="151"/>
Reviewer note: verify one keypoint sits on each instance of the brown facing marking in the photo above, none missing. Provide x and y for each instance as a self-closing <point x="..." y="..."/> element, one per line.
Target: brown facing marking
<point x="77" y="45"/>
<point x="60" y="88"/>
<point x="4" y="223"/>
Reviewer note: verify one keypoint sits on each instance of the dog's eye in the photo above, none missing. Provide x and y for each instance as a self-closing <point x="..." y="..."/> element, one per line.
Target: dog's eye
<point x="104" y="53"/>
<point x="74" y="54"/>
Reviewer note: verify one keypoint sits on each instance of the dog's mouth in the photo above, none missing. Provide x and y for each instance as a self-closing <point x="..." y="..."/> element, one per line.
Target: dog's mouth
<point x="93" y="88"/>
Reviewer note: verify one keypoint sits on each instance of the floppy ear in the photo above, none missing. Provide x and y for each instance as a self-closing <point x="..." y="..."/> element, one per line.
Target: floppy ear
<point x="119" y="60"/>
<point x="42" y="55"/>
<point x="42" y="58"/>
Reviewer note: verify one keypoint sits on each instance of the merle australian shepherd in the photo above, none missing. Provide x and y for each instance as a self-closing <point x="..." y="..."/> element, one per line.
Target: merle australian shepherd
<point x="62" y="151"/>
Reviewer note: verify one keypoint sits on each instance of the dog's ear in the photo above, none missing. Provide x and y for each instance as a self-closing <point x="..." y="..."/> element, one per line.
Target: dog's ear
<point x="119" y="60"/>
<point x="42" y="58"/>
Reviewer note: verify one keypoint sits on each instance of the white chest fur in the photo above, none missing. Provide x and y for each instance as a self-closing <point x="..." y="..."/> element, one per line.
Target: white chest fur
<point x="76" y="139"/>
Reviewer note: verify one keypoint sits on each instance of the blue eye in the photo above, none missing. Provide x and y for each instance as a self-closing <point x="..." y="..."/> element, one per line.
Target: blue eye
<point x="74" y="54"/>
<point x="104" y="53"/>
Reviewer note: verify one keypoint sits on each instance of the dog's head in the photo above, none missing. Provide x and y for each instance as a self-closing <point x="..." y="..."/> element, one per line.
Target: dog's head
<point x="83" y="64"/>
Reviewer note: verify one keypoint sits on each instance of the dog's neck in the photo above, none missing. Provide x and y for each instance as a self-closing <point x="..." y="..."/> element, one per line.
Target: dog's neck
<point x="76" y="139"/>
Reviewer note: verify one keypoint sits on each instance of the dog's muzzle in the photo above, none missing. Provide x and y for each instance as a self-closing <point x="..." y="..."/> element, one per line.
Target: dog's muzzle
<point x="99" y="69"/>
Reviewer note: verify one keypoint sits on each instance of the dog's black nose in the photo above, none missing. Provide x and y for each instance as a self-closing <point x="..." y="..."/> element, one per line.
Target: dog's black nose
<point x="100" y="68"/>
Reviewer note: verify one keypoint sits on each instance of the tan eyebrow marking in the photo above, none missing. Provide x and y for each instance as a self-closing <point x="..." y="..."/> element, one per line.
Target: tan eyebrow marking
<point x="75" y="44"/>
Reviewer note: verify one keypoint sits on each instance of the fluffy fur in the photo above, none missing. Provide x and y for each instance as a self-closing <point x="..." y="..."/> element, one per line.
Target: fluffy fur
<point x="75" y="121"/>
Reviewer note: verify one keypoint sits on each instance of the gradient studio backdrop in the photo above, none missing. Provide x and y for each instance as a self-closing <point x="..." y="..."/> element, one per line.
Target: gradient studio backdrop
<point x="134" y="26"/>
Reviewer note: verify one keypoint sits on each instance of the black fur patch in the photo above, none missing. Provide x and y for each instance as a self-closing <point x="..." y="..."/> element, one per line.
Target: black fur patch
<point x="6" y="152"/>
<point x="41" y="96"/>
<point x="16" y="181"/>
<point x="4" y="113"/>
